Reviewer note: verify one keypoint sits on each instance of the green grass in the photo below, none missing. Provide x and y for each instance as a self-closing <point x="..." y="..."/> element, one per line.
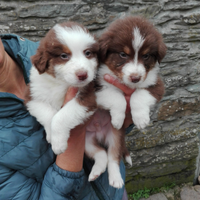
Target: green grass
<point x="145" y="193"/>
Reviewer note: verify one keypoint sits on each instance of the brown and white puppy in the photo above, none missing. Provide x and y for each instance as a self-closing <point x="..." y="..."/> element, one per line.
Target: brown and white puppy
<point x="67" y="56"/>
<point x="129" y="51"/>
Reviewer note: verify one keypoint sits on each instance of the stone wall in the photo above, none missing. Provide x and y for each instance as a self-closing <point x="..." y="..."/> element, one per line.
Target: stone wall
<point x="167" y="151"/>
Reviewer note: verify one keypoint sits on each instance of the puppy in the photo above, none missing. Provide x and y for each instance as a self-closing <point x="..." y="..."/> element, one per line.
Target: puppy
<point x="129" y="51"/>
<point x="67" y="56"/>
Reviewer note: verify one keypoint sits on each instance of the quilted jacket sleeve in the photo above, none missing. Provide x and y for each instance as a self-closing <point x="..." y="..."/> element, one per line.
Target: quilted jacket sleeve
<point x="61" y="185"/>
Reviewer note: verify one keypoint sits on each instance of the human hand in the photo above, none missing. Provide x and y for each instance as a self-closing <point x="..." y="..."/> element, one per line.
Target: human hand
<point x="127" y="94"/>
<point x="72" y="158"/>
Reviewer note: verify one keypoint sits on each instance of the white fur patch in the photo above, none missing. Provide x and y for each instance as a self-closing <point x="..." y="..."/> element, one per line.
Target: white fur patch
<point x="129" y="160"/>
<point x="110" y="97"/>
<point x="114" y="174"/>
<point x="145" y="81"/>
<point x="133" y="68"/>
<point x="138" y="39"/>
<point x="44" y="113"/>
<point x="151" y="78"/>
<point x="99" y="166"/>
<point x="74" y="37"/>
<point x="47" y="89"/>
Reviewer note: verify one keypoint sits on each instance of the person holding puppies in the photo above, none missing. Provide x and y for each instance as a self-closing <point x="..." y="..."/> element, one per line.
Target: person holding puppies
<point x="28" y="167"/>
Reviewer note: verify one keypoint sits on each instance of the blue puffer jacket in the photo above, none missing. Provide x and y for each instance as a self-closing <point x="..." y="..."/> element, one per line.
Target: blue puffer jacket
<point x="27" y="163"/>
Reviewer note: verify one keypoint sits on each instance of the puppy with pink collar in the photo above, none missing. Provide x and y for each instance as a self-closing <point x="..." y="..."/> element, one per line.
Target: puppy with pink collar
<point x="130" y="51"/>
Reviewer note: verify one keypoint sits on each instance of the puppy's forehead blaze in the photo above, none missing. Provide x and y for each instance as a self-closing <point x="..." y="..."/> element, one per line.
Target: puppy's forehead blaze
<point x="138" y="39"/>
<point x="75" y="37"/>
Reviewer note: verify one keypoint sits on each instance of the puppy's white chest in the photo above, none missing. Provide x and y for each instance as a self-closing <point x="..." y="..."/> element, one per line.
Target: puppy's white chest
<point x="47" y="89"/>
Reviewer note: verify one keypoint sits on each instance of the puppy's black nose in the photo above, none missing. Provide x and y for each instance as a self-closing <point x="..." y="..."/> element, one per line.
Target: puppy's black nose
<point x="134" y="79"/>
<point x="82" y="75"/>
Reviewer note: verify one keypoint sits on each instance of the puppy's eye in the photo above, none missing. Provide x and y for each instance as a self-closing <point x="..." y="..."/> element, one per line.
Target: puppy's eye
<point x="64" y="56"/>
<point x="146" y="56"/>
<point x="123" y="55"/>
<point x="88" y="53"/>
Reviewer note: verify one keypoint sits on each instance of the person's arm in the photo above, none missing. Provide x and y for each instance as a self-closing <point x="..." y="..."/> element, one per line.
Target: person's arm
<point x="72" y="159"/>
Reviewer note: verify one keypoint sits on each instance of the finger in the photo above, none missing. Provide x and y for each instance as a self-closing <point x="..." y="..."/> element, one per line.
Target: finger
<point x="71" y="93"/>
<point x="128" y="120"/>
<point x="116" y="83"/>
<point x="128" y="108"/>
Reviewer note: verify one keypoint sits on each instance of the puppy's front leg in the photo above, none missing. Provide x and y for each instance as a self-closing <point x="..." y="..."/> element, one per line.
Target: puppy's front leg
<point x="114" y="101"/>
<point x="44" y="113"/>
<point x="70" y="116"/>
<point x="140" y="103"/>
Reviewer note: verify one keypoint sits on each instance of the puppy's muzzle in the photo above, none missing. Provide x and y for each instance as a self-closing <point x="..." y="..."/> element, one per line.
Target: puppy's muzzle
<point x="135" y="79"/>
<point x="81" y="75"/>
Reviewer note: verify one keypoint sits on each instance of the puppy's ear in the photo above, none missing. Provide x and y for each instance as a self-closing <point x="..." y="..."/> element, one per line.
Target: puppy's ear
<point x="161" y="51"/>
<point x="40" y="60"/>
<point x="103" y="47"/>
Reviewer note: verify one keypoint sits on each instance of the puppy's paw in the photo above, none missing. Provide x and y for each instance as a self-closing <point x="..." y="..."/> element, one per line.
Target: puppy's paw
<point x="59" y="138"/>
<point x="59" y="147"/>
<point x="97" y="170"/>
<point x="117" y="120"/>
<point x="48" y="137"/>
<point x="59" y="135"/>
<point x="116" y="181"/>
<point x="141" y="120"/>
<point x="48" y="134"/>
<point x="128" y="160"/>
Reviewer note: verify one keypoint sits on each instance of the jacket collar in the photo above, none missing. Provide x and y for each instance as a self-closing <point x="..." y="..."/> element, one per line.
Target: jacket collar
<point x="18" y="48"/>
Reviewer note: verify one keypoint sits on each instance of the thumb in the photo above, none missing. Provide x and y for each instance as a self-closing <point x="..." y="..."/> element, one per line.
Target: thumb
<point x="71" y="93"/>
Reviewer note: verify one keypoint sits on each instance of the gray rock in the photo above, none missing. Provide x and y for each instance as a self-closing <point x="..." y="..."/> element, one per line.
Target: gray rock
<point x="159" y="196"/>
<point x="197" y="189"/>
<point x="188" y="193"/>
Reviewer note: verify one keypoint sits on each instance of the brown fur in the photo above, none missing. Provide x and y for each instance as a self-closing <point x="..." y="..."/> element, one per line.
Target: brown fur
<point x="157" y="90"/>
<point x="87" y="97"/>
<point x="119" y="150"/>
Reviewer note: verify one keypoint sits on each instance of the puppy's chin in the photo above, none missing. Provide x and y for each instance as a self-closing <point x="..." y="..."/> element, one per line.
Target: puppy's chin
<point x="80" y="84"/>
<point x="132" y="85"/>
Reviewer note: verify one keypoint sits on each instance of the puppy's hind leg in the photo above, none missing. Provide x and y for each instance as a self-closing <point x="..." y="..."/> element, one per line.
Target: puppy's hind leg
<point x="114" y="156"/>
<point x="94" y="151"/>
